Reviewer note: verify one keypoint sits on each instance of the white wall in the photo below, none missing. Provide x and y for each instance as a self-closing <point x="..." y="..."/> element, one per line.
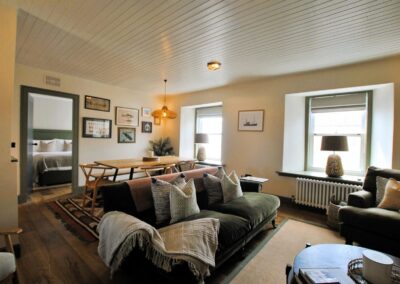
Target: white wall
<point x="52" y="112"/>
<point x="91" y="149"/>
<point x="261" y="153"/>
<point x="8" y="170"/>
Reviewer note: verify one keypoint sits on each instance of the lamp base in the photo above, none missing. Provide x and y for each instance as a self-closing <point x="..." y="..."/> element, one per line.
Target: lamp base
<point x="334" y="166"/>
<point x="201" y="153"/>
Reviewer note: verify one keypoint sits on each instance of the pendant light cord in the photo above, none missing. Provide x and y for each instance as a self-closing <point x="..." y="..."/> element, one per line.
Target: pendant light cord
<point x="165" y="91"/>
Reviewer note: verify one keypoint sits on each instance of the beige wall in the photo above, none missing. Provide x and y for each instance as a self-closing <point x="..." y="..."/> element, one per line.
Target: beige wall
<point x="8" y="187"/>
<point x="90" y="149"/>
<point x="260" y="153"/>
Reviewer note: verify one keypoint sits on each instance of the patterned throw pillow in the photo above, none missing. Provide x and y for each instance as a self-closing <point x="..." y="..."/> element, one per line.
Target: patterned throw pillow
<point x="391" y="199"/>
<point x="380" y="188"/>
<point x="231" y="187"/>
<point x="183" y="202"/>
<point x="160" y="190"/>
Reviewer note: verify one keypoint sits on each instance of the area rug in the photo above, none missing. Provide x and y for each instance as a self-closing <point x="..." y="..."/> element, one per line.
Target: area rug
<point x="77" y="220"/>
<point x="267" y="263"/>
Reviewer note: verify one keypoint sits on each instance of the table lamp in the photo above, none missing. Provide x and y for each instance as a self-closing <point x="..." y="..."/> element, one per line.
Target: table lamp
<point x="334" y="143"/>
<point x="201" y="138"/>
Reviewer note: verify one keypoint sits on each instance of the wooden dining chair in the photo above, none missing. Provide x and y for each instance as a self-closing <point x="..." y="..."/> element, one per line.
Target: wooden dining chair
<point x="95" y="176"/>
<point x="7" y="259"/>
<point x="158" y="169"/>
<point x="185" y="166"/>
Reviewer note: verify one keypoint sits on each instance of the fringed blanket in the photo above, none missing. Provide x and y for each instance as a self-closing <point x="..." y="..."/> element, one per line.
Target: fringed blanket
<point x="194" y="242"/>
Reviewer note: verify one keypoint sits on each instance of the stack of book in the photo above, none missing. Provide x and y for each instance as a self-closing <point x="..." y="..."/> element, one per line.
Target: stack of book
<point x="323" y="276"/>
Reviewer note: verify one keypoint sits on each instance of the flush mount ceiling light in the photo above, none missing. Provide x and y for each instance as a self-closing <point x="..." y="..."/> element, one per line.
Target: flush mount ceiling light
<point x="164" y="112"/>
<point x="214" y="65"/>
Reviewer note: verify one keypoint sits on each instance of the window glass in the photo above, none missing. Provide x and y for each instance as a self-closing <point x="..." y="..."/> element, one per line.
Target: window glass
<point x="211" y="124"/>
<point x="347" y="121"/>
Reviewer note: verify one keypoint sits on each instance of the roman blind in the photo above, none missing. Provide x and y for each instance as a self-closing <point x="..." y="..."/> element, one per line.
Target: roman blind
<point x="340" y="102"/>
<point x="209" y="111"/>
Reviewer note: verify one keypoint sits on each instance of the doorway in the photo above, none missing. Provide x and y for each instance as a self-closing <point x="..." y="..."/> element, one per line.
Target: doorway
<point x="49" y="138"/>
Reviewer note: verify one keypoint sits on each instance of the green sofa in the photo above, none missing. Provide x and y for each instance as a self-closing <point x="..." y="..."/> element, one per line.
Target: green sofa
<point x="372" y="227"/>
<point x="240" y="219"/>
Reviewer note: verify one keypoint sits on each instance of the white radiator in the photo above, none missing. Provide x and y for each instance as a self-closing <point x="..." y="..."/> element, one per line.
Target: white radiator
<point x="317" y="193"/>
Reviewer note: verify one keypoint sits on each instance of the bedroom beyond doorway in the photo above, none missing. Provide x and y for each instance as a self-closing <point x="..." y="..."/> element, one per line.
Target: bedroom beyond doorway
<point x="49" y="140"/>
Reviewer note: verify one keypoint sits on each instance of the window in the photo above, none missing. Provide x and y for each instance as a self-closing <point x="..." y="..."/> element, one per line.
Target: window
<point x="209" y="121"/>
<point x="344" y="114"/>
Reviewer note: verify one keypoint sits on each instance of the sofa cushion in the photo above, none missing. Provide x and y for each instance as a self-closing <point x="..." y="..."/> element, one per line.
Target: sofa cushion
<point x="373" y="172"/>
<point x="376" y="220"/>
<point x="232" y="228"/>
<point x="183" y="202"/>
<point x="391" y="198"/>
<point x="231" y="187"/>
<point x="213" y="188"/>
<point x="252" y="206"/>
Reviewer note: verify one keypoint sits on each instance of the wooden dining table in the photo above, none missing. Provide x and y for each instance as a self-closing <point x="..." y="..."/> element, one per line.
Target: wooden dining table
<point x="136" y="163"/>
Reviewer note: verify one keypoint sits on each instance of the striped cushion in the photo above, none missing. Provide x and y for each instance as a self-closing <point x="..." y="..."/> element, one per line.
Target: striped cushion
<point x="183" y="202"/>
<point x="160" y="191"/>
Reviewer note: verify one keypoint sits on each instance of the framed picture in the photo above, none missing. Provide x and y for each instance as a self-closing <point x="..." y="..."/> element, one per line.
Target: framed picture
<point x="157" y="120"/>
<point x="147" y="127"/>
<point x="251" y="120"/>
<point x="96" y="128"/>
<point x="126" y="135"/>
<point x="127" y="116"/>
<point x="146" y="112"/>
<point x="96" y="103"/>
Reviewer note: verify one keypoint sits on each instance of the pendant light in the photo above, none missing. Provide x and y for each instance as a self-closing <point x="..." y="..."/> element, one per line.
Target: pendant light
<point x="164" y="112"/>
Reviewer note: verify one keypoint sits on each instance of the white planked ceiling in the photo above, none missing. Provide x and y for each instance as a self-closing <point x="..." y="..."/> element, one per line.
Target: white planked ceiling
<point x="137" y="43"/>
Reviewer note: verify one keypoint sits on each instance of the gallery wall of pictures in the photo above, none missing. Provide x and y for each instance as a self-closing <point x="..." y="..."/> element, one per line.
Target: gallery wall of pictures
<point x="126" y="120"/>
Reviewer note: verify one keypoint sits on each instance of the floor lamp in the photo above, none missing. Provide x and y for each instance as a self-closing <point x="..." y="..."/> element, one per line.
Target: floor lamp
<point x="333" y="143"/>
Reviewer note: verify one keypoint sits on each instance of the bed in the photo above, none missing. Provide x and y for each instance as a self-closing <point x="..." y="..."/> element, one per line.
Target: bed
<point x="51" y="157"/>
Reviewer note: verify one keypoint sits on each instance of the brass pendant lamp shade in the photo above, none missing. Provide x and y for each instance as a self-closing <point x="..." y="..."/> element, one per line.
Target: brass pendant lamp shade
<point x="164" y="112"/>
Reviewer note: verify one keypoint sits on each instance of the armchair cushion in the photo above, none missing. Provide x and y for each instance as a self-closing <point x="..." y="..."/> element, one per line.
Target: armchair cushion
<point x="7" y="265"/>
<point x="373" y="172"/>
<point x="361" y="199"/>
<point x="380" y="221"/>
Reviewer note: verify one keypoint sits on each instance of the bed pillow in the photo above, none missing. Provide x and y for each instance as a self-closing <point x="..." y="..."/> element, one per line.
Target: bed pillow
<point x="48" y="146"/>
<point x="68" y="145"/>
<point x="391" y="199"/>
<point x="36" y="148"/>
<point x="231" y="188"/>
<point x="59" y="145"/>
<point x="183" y="202"/>
<point x="160" y="191"/>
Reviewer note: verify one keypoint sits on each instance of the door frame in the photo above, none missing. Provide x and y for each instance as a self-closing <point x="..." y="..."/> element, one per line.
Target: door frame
<point x="24" y="135"/>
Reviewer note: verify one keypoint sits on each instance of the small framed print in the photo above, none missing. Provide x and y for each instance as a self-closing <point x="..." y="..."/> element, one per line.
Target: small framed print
<point x="95" y="103"/>
<point x="127" y="116"/>
<point x="157" y="120"/>
<point x="251" y="120"/>
<point x="146" y="112"/>
<point x="96" y="128"/>
<point x="147" y="127"/>
<point x="126" y="135"/>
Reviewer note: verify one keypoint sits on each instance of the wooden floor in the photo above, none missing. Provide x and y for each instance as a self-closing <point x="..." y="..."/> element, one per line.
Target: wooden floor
<point x="52" y="254"/>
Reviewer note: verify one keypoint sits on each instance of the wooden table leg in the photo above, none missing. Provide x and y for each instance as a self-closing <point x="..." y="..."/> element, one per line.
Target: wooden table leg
<point x="131" y="173"/>
<point x="115" y="175"/>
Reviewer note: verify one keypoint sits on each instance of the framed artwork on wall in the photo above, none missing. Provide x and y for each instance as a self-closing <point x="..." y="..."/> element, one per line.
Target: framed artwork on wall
<point x="251" y="120"/>
<point x="146" y="112"/>
<point x="96" y="128"/>
<point x="95" y="103"/>
<point x="157" y="120"/>
<point x="147" y="127"/>
<point x="127" y="116"/>
<point x="126" y="135"/>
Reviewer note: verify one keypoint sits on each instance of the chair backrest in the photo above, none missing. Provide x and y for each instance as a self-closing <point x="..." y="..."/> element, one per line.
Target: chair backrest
<point x="164" y="168"/>
<point x="93" y="171"/>
<point x="373" y="172"/>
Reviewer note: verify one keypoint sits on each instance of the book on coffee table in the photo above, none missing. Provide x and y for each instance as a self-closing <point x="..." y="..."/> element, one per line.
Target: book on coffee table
<point x="325" y="276"/>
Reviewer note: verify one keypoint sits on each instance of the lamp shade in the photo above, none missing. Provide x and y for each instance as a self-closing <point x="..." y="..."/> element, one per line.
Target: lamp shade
<point x="334" y="143"/>
<point x="201" y="138"/>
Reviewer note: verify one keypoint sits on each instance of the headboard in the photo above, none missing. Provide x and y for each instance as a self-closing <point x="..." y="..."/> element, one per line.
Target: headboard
<point x="48" y="134"/>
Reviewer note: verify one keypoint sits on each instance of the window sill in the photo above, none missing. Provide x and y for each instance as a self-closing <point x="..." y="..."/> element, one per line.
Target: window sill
<point x="211" y="163"/>
<point x="356" y="180"/>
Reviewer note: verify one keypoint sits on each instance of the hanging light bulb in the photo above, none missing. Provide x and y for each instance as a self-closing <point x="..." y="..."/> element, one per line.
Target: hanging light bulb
<point x="164" y="112"/>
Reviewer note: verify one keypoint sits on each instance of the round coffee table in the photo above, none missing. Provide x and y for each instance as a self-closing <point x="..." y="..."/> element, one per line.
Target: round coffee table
<point x="327" y="256"/>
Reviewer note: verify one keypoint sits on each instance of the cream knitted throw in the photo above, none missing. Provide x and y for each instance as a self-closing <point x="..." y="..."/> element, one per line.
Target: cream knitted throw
<point x="194" y="242"/>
